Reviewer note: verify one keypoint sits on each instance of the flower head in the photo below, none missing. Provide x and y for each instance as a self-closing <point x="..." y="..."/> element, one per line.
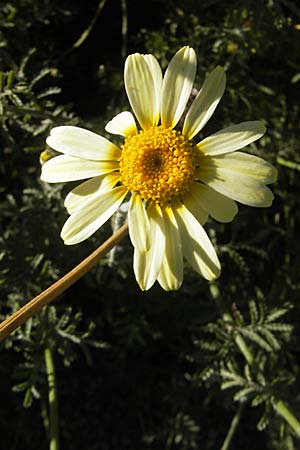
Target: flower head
<point x="174" y="182"/>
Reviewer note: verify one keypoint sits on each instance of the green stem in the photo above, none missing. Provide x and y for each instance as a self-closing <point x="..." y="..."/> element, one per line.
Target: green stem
<point x="244" y="349"/>
<point x="88" y="30"/>
<point x="53" y="405"/>
<point x="240" y="342"/>
<point x="284" y="412"/>
<point x="233" y="427"/>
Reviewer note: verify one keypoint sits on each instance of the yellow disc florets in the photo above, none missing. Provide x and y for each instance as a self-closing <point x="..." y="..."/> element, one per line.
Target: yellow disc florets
<point x="158" y="163"/>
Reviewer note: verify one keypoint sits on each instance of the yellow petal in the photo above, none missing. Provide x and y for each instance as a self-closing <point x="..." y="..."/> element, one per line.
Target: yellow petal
<point x="138" y="223"/>
<point x="81" y="143"/>
<point x="232" y="138"/>
<point x="77" y="198"/>
<point x="68" y="168"/>
<point x="84" y="222"/>
<point x="141" y="90"/>
<point x="147" y="265"/>
<point x="196" y="246"/>
<point x="205" y="103"/>
<point x="218" y="206"/>
<point x="171" y="273"/>
<point x="239" y="176"/>
<point x="122" y="124"/>
<point x="177" y="85"/>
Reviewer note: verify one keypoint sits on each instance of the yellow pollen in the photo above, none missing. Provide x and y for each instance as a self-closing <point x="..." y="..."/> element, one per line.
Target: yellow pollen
<point x="158" y="163"/>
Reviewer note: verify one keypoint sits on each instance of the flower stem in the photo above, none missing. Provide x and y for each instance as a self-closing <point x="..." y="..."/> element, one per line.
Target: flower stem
<point x="233" y="427"/>
<point x="53" y="404"/>
<point x="45" y="297"/>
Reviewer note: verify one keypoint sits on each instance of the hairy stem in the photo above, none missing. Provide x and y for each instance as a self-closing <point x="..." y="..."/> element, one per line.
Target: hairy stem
<point x="233" y="427"/>
<point x="53" y="404"/>
<point x="45" y="297"/>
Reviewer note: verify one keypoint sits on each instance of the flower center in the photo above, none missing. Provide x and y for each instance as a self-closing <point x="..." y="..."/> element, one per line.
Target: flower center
<point x="159" y="163"/>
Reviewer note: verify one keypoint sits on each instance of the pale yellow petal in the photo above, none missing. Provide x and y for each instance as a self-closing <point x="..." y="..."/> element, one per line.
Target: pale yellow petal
<point x="218" y="206"/>
<point x="148" y="264"/>
<point x="192" y="203"/>
<point x="205" y="103"/>
<point x="232" y="138"/>
<point x="239" y="176"/>
<point x="77" y="198"/>
<point x="122" y="124"/>
<point x="84" y="222"/>
<point x="81" y="143"/>
<point x="177" y="85"/>
<point x="138" y="223"/>
<point x="196" y="246"/>
<point x="68" y="168"/>
<point x="141" y="90"/>
<point x="157" y="78"/>
<point x="171" y="273"/>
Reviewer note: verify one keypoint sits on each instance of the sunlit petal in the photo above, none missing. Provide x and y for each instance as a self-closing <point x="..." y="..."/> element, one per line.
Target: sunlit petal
<point x="218" y="206"/>
<point x="177" y="85"/>
<point x="192" y="203"/>
<point x="205" y="103"/>
<point x="77" y="198"/>
<point x="122" y="124"/>
<point x="84" y="222"/>
<point x="141" y="90"/>
<point x="239" y="176"/>
<point x="232" y="138"/>
<point x="171" y="273"/>
<point x="148" y="264"/>
<point x="158" y="79"/>
<point x="138" y="223"/>
<point x="196" y="246"/>
<point x="67" y="168"/>
<point x="75" y="141"/>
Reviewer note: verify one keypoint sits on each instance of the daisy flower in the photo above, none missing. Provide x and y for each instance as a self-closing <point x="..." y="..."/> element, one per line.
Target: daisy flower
<point x="174" y="182"/>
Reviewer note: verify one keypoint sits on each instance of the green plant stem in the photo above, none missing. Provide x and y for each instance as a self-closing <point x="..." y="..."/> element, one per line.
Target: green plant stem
<point x="88" y="30"/>
<point x="53" y="404"/>
<point x="233" y="427"/>
<point x="240" y="342"/>
<point x="284" y="412"/>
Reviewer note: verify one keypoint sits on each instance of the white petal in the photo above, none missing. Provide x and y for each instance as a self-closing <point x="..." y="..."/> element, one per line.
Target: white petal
<point x="67" y="168"/>
<point x="122" y="124"/>
<point x="192" y="203"/>
<point x="239" y="176"/>
<point x="177" y="85"/>
<point x="138" y="223"/>
<point x="75" y="141"/>
<point x="141" y="90"/>
<point x="232" y="138"/>
<point x="83" y="223"/>
<point x="205" y="103"/>
<point x="147" y="264"/>
<point x="197" y="248"/>
<point x="171" y="273"/>
<point x="158" y="79"/>
<point x="77" y="198"/>
<point x="218" y="206"/>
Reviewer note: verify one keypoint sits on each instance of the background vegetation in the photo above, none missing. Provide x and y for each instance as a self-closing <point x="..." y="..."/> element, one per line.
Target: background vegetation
<point x="154" y="370"/>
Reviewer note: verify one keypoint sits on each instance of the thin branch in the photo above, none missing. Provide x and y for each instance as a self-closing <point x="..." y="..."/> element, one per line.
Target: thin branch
<point x="53" y="402"/>
<point x="233" y="427"/>
<point x="45" y="297"/>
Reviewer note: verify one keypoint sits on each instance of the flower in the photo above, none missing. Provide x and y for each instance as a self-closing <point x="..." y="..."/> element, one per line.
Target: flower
<point x="175" y="184"/>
